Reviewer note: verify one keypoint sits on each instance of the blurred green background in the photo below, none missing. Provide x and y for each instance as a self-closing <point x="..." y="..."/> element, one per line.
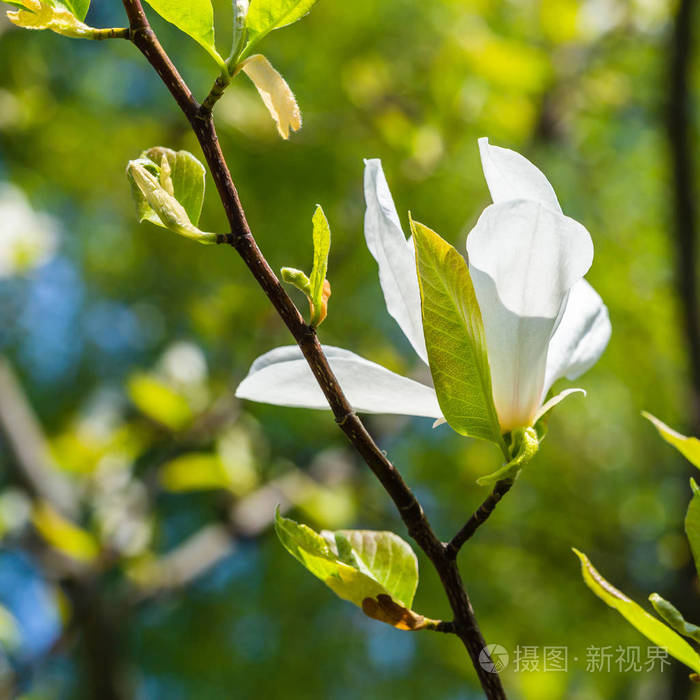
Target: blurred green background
<point x="128" y="342"/>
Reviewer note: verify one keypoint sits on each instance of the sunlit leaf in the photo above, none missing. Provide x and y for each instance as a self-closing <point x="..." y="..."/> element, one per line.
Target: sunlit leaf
<point x="266" y="15"/>
<point x="59" y="18"/>
<point x="168" y="190"/>
<point x="362" y="566"/>
<point x="193" y="17"/>
<point x="188" y="177"/>
<point x="64" y="535"/>
<point x="654" y="630"/>
<point x="692" y="528"/>
<point x="454" y="337"/>
<point x="275" y="93"/>
<point x="689" y="447"/>
<point x="674" y="618"/>
<point x="78" y="7"/>
<point x="317" y="280"/>
<point x="159" y="402"/>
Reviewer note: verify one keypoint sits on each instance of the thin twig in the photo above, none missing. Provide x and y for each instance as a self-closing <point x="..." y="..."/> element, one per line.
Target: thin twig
<point x="478" y="518"/>
<point x="242" y="240"/>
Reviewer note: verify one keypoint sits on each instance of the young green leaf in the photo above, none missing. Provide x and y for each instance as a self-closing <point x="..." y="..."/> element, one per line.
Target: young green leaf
<point x="377" y="571"/>
<point x="168" y="189"/>
<point x="274" y="92"/>
<point x="653" y="629"/>
<point x="193" y="17"/>
<point x="689" y="447"/>
<point x="526" y="442"/>
<point x="692" y="528"/>
<point x="78" y="7"/>
<point x="188" y="177"/>
<point x="454" y="337"/>
<point x="673" y="616"/>
<point x="266" y="15"/>
<point x="317" y="280"/>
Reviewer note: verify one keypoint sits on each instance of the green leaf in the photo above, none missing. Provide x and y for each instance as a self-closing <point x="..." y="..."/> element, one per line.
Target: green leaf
<point x="322" y="246"/>
<point x="653" y="629"/>
<point x="689" y="447"/>
<point x="526" y="442"/>
<point x="193" y="17"/>
<point x="266" y="15"/>
<point x="188" y="178"/>
<point x="673" y="616"/>
<point x="454" y="337"/>
<point x="377" y="571"/>
<point x="692" y="528"/>
<point x="159" y="402"/>
<point x="78" y="7"/>
<point x="168" y="189"/>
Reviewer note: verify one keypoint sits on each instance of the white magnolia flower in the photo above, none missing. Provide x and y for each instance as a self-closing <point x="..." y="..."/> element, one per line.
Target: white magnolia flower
<point x="527" y="260"/>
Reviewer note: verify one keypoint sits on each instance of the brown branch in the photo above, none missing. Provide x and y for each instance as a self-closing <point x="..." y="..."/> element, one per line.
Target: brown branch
<point x="684" y="216"/>
<point x="242" y="240"/>
<point x="678" y="124"/>
<point x="478" y="518"/>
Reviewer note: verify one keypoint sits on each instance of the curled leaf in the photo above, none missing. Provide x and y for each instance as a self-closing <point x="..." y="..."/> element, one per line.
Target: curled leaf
<point x="320" y="287"/>
<point x="672" y="615"/>
<point x="384" y="609"/>
<point x="525" y="444"/>
<point x="168" y="189"/>
<point x="377" y="571"/>
<point x="275" y="93"/>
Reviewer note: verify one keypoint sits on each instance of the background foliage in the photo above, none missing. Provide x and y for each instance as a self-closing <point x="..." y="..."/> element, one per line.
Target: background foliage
<point x="127" y="332"/>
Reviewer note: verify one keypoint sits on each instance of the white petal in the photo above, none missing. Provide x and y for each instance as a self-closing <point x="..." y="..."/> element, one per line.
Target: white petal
<point x="512" y="176"/>
<point x="524" y="258"/>
<point x="580" y="338"/>
<point x="555" y="400"/>
<point x="395" y="257"/>
<point x="282" y="377"/>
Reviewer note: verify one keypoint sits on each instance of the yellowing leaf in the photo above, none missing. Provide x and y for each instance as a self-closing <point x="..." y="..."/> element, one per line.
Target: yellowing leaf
<point x="193" y="17"/>
<point x="41" y="14"/>
<point x="454" y="337"/>
<point x="275" y="93"/>
<point x="62" y="534"/>
<point x="689" y="447"/>
<point x="159" y="402"/>
<point x="654" y="630"/>
<point x="377" y="571"/>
